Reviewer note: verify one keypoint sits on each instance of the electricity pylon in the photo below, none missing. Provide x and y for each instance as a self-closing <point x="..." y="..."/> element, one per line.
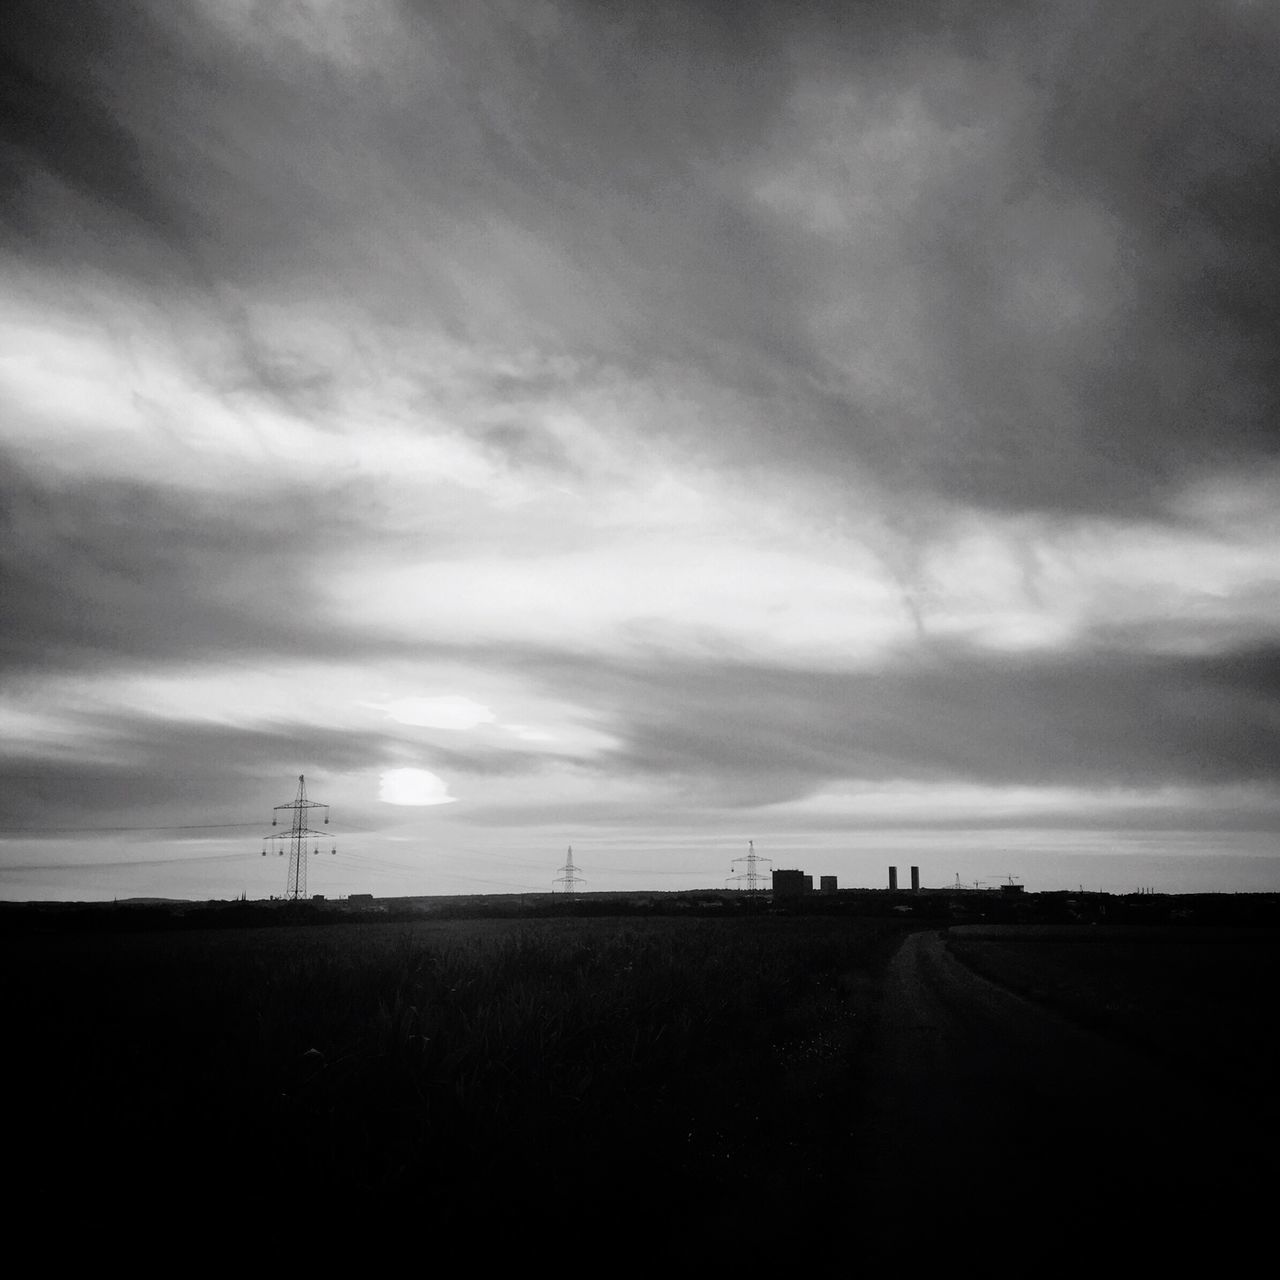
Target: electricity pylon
<point x="296" y="887"/>
<point x="751" y="875"/>
<point x="569" y="876"/>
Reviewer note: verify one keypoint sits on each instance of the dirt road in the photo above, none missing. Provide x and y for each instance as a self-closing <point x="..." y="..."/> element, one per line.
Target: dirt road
<point x="994" y="1122"/>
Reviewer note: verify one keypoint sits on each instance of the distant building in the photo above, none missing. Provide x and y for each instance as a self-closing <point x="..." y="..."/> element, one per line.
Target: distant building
<point x="827" y="884"/>
<point x="791" y="884"/>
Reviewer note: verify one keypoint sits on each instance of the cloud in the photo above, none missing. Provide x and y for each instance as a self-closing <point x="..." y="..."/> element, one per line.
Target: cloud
<point x="446" y="711"/>
<point x="721" y="408"/>
<point x="101" y="573"/>
<point x="748" y="735"/>
<point x="906" y="249"/>
<point x="418" y="787"/>
<point x="1018" y="303"/>
<point x="151" y="773"/>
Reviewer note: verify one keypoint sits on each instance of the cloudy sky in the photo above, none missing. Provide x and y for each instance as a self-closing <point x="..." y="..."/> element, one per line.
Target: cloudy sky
<point x="648" y="427"/>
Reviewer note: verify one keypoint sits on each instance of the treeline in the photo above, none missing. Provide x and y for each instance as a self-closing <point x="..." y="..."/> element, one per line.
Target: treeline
<point x="934" y="907"/>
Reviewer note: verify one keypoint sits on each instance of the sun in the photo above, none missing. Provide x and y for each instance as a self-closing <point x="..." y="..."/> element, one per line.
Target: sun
<point x="413" y="787"/>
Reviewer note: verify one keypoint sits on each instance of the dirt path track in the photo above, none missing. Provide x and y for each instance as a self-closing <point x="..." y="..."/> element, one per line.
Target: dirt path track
<point x="991" y="1119"/>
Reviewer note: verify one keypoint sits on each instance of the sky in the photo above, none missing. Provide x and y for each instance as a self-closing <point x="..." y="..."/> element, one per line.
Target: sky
<point x="645" y="428"/>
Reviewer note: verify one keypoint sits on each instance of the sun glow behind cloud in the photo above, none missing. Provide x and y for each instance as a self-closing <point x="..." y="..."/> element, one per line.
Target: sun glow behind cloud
<point x="419" y="787"/>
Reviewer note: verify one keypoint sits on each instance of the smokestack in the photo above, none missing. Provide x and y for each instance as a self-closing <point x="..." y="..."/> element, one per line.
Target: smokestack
<point x="915" y="879"/>
<point x="893" y="877"/>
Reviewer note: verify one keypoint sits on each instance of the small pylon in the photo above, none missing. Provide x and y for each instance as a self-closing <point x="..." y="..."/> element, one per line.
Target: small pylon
<point x="568" y="877"/>
<point x="296" y="884"/>
<point x="752" y="875"/>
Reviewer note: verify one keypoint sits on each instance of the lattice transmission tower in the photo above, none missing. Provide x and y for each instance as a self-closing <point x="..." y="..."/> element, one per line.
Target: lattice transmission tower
<point x="569" y="876"/>
<point x="752" y="875"/>
<point x="298" y="836"/>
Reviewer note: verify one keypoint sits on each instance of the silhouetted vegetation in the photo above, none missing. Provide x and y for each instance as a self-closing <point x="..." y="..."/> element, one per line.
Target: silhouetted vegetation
<point x="461" y="1072"/>
<point x="690" y="1063"/>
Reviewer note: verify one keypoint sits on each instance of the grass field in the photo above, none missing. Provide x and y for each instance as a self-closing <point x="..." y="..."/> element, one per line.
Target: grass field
<point x="1201" y="999"/>
<point x="673" y="1075"/>
<point x="469" y="1073"/>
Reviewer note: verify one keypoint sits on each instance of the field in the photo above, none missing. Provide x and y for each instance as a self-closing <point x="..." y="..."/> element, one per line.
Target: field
<point x="503" y="1080"/>
<point x="686" y="1072"/>
<point x="1200" y="999"/>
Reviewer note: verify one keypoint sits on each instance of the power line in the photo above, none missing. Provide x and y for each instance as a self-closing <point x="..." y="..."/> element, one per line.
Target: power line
<point x="186" y="860"/>
<point x="186" y="826"/>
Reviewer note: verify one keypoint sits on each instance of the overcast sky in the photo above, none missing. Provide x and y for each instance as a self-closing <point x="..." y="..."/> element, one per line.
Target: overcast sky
<point x="647" y="427"/>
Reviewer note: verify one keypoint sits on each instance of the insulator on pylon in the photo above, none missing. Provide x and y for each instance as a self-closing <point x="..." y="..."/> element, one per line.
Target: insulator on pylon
<point x="299" y="830"/>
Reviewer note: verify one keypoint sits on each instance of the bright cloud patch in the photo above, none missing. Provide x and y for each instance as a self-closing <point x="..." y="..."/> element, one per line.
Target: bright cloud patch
<point x="528" y="733"/>
<point x="450" y="712"/>
<point x="413" y="787"/>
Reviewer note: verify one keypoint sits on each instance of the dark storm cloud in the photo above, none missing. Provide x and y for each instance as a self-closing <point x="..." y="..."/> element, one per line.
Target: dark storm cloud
<point x="758" y="735"/>
<point x="149" y="770"/>
<point x="101" y="573"/>
<point x="1163" y="120"/>
<point x="1070" y="304"/>
<point x="1077" y="296"/>
<point x="1074" y="304"/>
<point x="60" y="134"/>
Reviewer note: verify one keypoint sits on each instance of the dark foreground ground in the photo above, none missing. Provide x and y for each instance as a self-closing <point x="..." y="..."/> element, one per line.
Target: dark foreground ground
<point x="724" y="1085"/>
<point x="1124" y="1116"/>
<point x="673" y="1077"/>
